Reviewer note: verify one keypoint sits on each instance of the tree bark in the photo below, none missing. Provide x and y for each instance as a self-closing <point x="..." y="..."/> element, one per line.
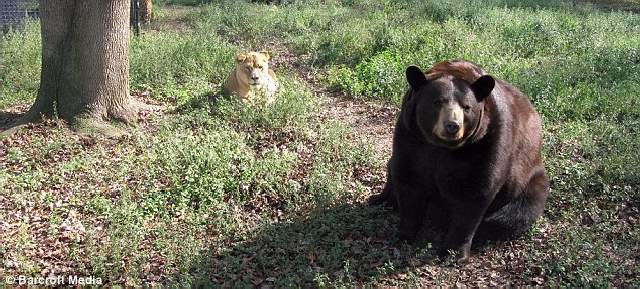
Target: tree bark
<point x="85" y="61"/>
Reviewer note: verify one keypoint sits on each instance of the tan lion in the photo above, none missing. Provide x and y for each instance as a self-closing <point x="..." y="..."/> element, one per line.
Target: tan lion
<point x="252" y="79"/>
<point x="146" y="10"/>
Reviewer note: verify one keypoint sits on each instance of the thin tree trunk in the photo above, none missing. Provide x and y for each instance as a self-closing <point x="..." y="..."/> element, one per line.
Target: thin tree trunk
<point x="85" y="61"/>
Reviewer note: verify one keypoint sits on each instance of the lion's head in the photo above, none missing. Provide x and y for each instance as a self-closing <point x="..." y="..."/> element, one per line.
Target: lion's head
<point x="253" y="68"/>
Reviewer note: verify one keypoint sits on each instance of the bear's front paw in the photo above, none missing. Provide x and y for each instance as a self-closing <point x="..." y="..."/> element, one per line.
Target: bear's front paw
<point x="460" y="255"/>
<point x="377" y="200"/>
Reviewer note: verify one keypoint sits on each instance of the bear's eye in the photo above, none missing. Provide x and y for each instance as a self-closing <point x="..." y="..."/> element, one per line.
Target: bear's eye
<point x="260" y="67"/>
<point x="438" y="101"/>
<point x="466" y="107"/>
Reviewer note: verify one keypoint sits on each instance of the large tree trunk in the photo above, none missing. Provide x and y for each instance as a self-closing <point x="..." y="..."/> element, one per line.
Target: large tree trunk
<point x="85" y="61"/>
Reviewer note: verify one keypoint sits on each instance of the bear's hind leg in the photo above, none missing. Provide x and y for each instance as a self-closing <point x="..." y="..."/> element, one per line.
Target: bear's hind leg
<point x="516" y="217"/>
<point x="386" y="197"/>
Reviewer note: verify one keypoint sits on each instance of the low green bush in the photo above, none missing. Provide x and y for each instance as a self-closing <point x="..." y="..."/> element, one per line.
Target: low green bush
<point x="20" y="53"/>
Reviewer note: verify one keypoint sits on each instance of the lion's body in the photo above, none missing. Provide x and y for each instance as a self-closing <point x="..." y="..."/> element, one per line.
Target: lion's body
<point x="252" y="79"/>
<point x="146" y="11"/>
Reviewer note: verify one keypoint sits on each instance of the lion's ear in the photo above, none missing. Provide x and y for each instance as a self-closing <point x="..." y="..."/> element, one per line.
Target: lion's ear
<point x="266" y="54"/>
<point x="240" y="57"/>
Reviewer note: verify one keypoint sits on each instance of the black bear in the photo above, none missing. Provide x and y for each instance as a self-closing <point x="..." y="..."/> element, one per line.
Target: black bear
<point x="466" y="150"/>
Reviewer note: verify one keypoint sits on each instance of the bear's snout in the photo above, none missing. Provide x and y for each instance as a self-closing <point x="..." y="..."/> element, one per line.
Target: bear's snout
<point x="449" y="126"/>
<point x="452" y="127"/>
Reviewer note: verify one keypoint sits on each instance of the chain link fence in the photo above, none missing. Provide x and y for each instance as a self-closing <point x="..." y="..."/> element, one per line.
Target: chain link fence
<point x="12" y="12"/>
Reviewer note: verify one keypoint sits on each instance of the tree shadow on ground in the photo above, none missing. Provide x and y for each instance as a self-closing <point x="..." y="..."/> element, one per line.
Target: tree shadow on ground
<point x="603" y="5"/>
<point x="204" y="100"/>
<point x="9" y="119"/>
<point x="351" y="244"/>
<point x="611" y="5"/>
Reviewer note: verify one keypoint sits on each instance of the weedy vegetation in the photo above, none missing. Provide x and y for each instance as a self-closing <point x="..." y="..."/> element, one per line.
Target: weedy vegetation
<point x="213" y="192"/>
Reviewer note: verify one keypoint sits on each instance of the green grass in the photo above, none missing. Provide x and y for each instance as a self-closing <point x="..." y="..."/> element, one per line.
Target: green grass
<point x="224" y="193"/>
<point x="175" y="67"/>
<point x="19" y="64"/>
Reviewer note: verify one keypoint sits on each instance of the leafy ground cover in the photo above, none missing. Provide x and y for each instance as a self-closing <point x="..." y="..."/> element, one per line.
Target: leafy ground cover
<point x="208" y="191"/>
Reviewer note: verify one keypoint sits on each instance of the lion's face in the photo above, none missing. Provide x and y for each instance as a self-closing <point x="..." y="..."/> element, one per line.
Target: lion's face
<point x="253" y="67"/>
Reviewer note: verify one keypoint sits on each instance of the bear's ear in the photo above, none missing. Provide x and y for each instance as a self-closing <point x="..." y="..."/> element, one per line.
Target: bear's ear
<point x="240" y="57"/>
<point x="266" y="54"/>
<point x="483" y="87"/>
<point x="415" y="77"/>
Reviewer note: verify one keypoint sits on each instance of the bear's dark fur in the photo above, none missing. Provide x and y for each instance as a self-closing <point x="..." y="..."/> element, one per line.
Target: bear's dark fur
<point x="466" y="151"/>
